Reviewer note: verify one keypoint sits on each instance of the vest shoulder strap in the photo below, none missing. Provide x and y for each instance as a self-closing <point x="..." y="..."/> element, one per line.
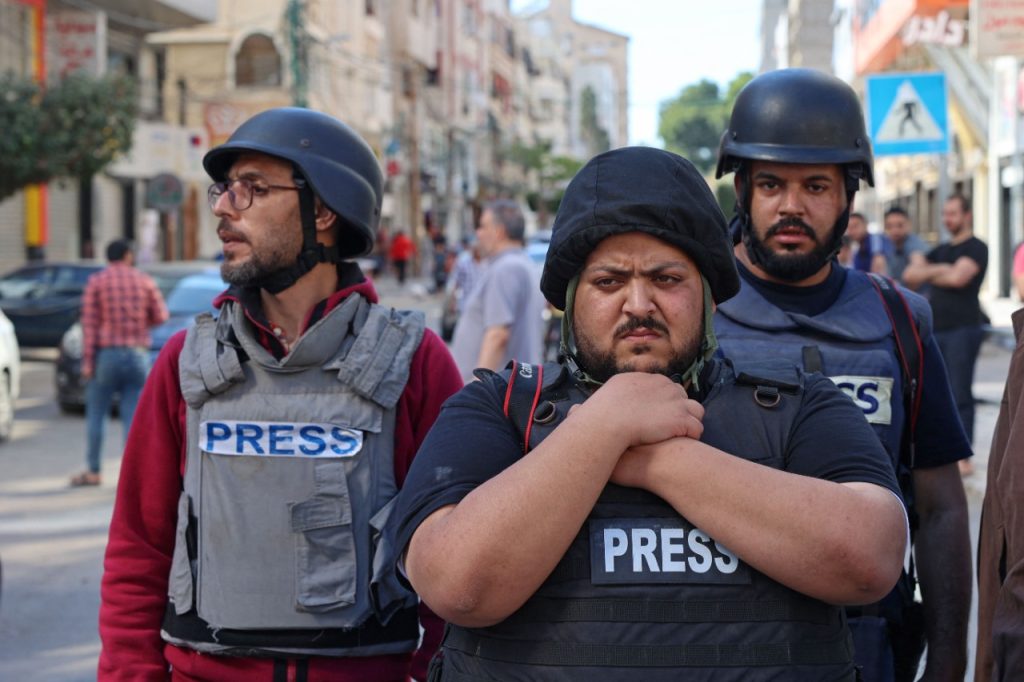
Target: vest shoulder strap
<point x="525" y="385"/>
<point x="910" y="355"/>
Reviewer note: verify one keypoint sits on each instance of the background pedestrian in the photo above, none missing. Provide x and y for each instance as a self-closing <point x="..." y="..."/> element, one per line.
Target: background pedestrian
<point x="119" y="306"/>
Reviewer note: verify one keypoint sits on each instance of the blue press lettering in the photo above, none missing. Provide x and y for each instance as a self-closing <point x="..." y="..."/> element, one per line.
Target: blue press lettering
<point x="311" y="436"/>
<point x="279" y="439"/>
<point x="866" y="397"/>
<point x="216" y="431"/>
<point x="280" y="434"/>
<point x="344" y="442"/>
<point x="249" y="434"/>
<point x="873" y="395"/>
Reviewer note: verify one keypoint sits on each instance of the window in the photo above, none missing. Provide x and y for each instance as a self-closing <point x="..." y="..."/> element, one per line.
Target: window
<point x="257" y="62"/>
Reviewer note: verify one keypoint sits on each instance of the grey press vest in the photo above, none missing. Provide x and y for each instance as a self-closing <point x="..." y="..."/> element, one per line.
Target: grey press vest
<point x="642" y="594"/>
<point x="289" y="478"/>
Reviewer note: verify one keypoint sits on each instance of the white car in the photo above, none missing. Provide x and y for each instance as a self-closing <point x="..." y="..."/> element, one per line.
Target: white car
<point x="10" y="376"/>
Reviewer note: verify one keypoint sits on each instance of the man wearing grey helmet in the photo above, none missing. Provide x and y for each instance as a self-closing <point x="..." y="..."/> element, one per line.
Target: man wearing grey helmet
<point x="271" y="440"/>
<point x="644" y="511"/>
<point x="797" y="145"/>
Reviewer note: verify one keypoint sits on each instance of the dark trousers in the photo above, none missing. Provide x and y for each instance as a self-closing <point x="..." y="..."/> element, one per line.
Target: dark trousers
<point x="960" y="348"/>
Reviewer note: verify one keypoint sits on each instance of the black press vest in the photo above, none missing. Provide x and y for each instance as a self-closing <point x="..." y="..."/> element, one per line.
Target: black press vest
<point x="642" y="594"/>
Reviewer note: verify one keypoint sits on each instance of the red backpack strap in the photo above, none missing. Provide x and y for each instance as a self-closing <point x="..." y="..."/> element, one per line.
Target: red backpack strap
<point x="521" y="397"/>
<point x="908" y="346"/>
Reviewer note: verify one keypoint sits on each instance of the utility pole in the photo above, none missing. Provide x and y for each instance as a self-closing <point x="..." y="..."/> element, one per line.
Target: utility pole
<point x="300" y="61"/>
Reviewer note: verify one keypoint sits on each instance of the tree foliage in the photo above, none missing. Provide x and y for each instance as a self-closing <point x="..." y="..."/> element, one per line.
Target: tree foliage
<point x="552" y="172"/>
<point x="69" y="130"/>
<point x="692" y="123"/>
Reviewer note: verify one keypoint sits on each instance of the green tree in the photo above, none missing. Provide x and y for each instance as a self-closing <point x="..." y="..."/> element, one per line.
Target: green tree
<point x="551" y="171"/>
<point x="70" y="130"/>
<point x="593" y="135"/>
<point x="692" y="123"/>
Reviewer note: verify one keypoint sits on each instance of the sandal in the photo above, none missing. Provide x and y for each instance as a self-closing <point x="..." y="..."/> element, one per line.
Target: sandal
<point x="84" y="479"/>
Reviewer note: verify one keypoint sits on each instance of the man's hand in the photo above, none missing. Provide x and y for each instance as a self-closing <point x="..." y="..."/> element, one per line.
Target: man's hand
<point x="633" y="469"/>
<point x="645" y="408"/>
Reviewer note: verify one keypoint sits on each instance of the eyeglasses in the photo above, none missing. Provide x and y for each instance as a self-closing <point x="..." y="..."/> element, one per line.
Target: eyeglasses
<point x="241" y="191"/>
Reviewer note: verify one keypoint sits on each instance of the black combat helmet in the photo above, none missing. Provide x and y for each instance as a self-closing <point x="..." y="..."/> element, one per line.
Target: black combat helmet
<point x="798" y="116"/>
<point x="336" y="162"/>
<point x="639" y="189"/>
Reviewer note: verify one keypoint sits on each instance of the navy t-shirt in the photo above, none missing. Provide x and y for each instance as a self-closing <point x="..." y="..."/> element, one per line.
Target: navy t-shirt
<point x="473" y="441"/>
<point x="940" y="437"/>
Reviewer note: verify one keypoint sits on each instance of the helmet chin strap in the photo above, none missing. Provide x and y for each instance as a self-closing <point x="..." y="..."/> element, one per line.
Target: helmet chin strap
<point x="313" y="252"/>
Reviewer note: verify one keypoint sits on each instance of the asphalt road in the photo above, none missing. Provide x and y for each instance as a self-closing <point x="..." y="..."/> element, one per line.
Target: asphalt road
<point x="52" y="537"/>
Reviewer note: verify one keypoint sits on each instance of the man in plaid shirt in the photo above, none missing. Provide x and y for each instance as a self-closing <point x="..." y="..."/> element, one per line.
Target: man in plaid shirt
<point x="119" y="306"/>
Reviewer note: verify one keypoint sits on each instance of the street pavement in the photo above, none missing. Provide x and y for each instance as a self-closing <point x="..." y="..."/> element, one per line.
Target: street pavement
<point x="52" y="537"/>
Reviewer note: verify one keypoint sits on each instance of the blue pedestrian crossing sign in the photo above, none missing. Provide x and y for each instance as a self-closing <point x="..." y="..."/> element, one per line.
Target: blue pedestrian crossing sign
<point x="908" y="113"/>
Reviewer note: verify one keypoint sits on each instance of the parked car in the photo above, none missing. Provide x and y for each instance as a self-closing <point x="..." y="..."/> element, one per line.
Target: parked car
<point x="10" y="376"/>
<point x="43" y="300"/>
<point x="187" y="296"/>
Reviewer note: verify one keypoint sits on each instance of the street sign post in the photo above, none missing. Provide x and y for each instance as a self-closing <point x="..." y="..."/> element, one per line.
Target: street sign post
<point x="908" y="113"/>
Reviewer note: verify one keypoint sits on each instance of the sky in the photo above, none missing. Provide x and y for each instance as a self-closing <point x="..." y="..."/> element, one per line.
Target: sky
<point x="673" y="43"/>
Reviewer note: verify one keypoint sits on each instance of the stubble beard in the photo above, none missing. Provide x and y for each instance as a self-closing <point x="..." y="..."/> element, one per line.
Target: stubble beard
<point x="602" y="365"/>
<point x="277" y="253"/>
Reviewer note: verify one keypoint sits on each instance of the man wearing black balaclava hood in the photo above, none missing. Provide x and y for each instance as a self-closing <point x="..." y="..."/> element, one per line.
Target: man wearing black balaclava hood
<point x="630" y="512"/>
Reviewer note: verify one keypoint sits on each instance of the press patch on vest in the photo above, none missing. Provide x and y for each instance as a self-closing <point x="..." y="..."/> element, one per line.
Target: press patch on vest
<point x="873" y="395"/>
<point x="279" y="439"/>
<point x="659" y="550"/>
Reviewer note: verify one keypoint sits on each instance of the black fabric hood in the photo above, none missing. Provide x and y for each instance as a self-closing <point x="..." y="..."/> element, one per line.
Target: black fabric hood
<point x="639" y="189"/>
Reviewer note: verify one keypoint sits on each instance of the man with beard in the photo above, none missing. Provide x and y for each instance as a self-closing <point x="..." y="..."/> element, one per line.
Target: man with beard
<point x="271" y="440"/>
<point x="654" y="513"/>
<point x="797" y="145"/>
<point x="953" y="273"/>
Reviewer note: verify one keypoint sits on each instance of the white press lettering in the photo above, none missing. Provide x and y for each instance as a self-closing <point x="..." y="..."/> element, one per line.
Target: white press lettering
<point x="673" y="544"/>
<point x="700" y="553"/>
<point x="615" y="543"/>
<point x="726" y="562"/>
<point x="645" y="541"/>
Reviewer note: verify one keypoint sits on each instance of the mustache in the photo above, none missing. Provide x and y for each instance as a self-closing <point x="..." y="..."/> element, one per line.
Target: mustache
<point x="791" y="223"/>
<point x="224" y="230"/>
<point x="634" y="323"/>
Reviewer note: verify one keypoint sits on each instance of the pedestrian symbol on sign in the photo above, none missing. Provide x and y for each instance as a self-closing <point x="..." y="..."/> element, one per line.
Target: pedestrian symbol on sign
<point x="908" y="118"/>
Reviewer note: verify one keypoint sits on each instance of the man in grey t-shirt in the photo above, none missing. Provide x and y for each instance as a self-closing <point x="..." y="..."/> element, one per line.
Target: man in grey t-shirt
<point x="906" y="246"/>
<point x="502" y="316"/>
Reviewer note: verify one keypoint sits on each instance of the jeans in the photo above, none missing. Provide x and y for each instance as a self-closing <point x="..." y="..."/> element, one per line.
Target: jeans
<point x="959" y="349"/>
<point x="119" y="371"/>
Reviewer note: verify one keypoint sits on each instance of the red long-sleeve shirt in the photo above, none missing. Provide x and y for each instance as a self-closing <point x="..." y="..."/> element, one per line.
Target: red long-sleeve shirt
<point x="142" y="530"/>
<point x="119" y="306"/>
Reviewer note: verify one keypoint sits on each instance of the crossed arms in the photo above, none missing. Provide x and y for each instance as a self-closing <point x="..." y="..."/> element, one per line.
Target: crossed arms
<point x="478" y="561"/>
